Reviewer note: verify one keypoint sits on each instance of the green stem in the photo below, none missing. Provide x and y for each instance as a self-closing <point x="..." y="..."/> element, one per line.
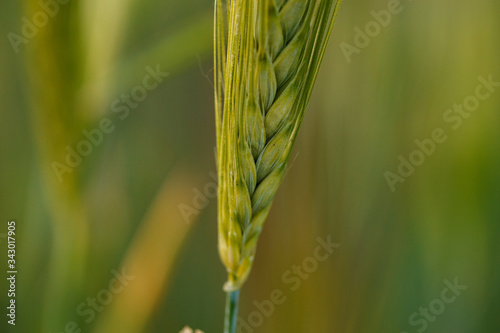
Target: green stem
<point x="231" y="311"/>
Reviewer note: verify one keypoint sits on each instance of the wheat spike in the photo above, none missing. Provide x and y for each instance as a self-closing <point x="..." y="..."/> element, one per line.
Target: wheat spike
<point x="274" y="49"/>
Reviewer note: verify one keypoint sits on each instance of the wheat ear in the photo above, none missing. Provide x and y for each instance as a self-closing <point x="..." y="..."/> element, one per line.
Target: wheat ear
<point x="274" y="49"/>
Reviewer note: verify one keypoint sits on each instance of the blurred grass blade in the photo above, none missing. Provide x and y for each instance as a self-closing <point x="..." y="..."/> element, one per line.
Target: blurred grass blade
<point x="151" y="257"/>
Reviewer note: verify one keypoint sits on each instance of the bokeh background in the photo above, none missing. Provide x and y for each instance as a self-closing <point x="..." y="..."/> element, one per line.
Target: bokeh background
<point x="132" y="205"/>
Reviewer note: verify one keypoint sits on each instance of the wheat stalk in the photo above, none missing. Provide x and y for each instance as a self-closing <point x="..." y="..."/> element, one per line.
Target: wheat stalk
<point x="274" y="49"/>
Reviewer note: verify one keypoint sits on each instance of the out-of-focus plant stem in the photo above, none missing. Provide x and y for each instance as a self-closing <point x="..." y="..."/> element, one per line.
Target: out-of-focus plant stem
<point x="55" y="62"/>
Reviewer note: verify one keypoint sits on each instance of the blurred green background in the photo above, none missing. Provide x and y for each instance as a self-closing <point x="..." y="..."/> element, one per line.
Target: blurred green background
<point x="133" y="207"/>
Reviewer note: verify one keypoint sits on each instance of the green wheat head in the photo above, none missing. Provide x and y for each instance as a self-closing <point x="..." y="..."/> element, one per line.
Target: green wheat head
<point x="264" y="76"/>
